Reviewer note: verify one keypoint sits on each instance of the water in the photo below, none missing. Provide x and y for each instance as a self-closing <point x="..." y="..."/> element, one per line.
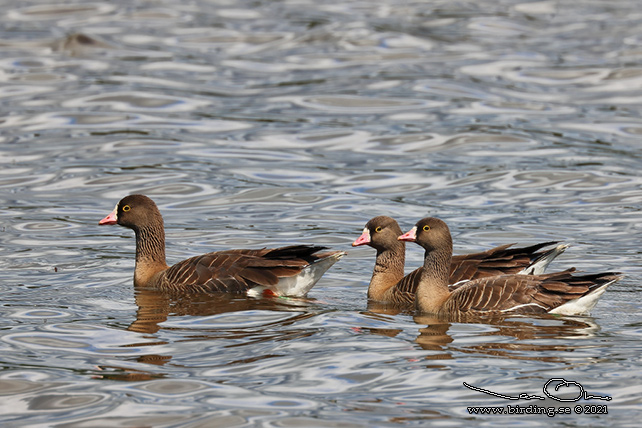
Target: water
<point x="264" y="123"/>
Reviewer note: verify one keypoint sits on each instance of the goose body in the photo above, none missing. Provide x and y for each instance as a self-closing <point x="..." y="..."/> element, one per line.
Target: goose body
<point x="389" y="285"/>
<point x="285" y="271"/>
<point x="560" y="292"/>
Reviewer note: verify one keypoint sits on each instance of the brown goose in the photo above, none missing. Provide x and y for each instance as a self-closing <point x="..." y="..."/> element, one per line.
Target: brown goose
<point x="284" y="271"/>
<point x="560" y="292"/>
<point x="388" y="284"/>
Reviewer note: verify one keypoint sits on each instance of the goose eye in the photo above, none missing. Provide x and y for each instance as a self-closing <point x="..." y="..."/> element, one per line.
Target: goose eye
<point x="126" y="208"/>
<point x="426" y="228"/>
<point x="378" y="229"/>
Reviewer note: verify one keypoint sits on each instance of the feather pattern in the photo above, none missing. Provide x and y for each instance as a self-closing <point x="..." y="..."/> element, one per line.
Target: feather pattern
<point x="231" y="271"/>
<point x="511" y="293"/>
<point x="389" y="285"/>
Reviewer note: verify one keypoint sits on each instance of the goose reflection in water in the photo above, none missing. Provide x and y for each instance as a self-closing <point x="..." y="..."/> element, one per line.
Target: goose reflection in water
<point x="516" y="337"/>
<point x="156" y="307"/>
<point x="511" y="336"/>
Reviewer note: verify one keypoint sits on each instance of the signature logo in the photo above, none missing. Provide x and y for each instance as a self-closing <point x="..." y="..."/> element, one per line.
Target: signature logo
<point x="555" y="383"/>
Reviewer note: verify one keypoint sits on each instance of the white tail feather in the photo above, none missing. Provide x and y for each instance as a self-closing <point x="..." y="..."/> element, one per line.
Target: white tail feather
<point x="299" y="285"/>
<point x="581" y="305"/>
<point x="539" y="266"/>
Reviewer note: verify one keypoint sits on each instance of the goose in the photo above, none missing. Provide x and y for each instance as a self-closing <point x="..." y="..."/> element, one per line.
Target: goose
<point x="285" y="271"/>
<point x="557" y="293"/>
<point x="388" y="284"/>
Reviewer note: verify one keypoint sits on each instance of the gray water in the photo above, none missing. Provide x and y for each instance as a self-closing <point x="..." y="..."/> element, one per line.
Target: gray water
<point x="261" y="123"/>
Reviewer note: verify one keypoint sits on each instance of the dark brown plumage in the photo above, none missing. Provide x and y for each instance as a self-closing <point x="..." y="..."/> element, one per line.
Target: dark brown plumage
<point x="559" y="292"/>
<point x="290" y="270"/>
<point x="389" y="285"/>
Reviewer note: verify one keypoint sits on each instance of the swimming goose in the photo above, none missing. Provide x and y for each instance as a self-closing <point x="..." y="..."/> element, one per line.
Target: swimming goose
<point x="388" y="284"/>
<point x="560" y="292"/>
<point x="285" y="271"/>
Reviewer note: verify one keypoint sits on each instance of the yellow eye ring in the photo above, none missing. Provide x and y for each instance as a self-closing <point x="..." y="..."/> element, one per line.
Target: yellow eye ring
<point x="378" y="229"/>
<point x="426" y="228"/>
<point x="126" y="208"/>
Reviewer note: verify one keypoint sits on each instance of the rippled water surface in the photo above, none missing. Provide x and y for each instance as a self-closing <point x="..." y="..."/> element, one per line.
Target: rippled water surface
<point x="259" y="123"/>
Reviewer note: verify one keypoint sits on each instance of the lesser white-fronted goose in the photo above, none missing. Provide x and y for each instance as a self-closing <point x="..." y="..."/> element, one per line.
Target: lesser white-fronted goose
<point x="560" y="292"/>
<point x="285" y="271"/>
<point x="388" y="284"/>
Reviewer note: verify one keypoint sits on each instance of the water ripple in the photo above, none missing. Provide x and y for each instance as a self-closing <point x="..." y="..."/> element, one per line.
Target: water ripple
<point x="117" y="121"/>
<point x="136" y="101"/>
<point x="255" y="124"/>
<point x="359" y="105"/>
<point x="57" y="12"/>
<point x="83" y="339"/>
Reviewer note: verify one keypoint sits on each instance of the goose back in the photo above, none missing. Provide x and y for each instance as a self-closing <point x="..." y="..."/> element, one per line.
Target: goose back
<point x="512" y="293"/>
<point x="290" y="270"/>
<point x="389" y="285"/>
